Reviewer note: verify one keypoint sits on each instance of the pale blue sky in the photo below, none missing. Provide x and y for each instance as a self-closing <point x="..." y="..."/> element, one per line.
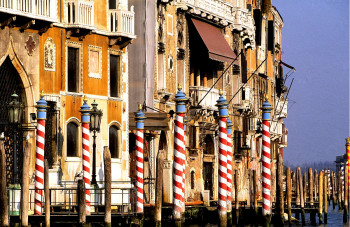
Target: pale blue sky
<point x="316" y="42"/>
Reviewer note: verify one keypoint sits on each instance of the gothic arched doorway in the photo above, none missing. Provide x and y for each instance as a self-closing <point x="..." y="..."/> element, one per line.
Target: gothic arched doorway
<point x="10" y="82"/>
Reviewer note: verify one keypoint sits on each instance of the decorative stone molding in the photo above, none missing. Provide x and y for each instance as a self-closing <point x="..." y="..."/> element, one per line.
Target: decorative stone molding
<point x="30" y="45"/>
<point x="95" y="62"/>
<point x="180" y="31"/>
<point x="160" y="19"/>
<point x="49" y="55"/>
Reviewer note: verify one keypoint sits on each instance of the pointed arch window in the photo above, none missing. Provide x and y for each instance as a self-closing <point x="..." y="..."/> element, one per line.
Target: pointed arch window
<point x="115" y="141"/>
<point x="72" y="139"/>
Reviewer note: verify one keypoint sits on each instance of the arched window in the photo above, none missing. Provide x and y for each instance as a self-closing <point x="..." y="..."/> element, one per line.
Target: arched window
<point x="114" y="141"/>
<point x="193" y="177"/>
<point x="72" y="139"/>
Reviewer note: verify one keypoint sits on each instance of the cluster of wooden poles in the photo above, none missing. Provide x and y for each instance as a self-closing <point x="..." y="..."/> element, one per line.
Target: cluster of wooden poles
<point x="310" y="192"/>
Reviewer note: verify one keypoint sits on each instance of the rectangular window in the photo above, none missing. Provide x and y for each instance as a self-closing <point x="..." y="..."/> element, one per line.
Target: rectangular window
<point x="271" y="36"/>
<point x="73" y="69"/>
<point x="112" y="4"/>
<point x="257" y="19"/>
<point x="193" y="136"/>
<point x="114" y="75"/>
<point x="237" y="141"/>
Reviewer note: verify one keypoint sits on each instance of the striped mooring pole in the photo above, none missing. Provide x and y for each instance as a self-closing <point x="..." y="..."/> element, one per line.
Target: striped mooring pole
<point x="85" y="121"/>
<point x="229" y="165"/>
<point x="222" y="170"/>
<point x="348" y="160"/>
<point x="179" y="157"/>
<point x="184" y="166"/>
<point x="40" y="154"/>
<point x="139" y="118"/>
<point x="266" y="161"/>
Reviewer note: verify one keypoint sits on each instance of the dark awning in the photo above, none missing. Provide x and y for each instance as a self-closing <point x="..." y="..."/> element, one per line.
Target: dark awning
<point x="215" y="42"/>
<point x="289" y="66"/>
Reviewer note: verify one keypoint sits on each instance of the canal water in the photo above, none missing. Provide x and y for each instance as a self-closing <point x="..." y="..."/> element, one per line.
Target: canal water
<point x="335" y="219"/>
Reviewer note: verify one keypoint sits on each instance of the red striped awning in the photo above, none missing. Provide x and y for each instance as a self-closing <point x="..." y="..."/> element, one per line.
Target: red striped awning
<point x="215" y="42"/>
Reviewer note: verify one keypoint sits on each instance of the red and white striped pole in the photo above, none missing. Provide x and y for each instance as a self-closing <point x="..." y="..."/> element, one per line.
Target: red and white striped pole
<point x="40" y="153"/>
<point x="184" y="167"/>
<point x="85" y="120"/>
<point x="348" y="161"/>
<point x="266" y="161"/>
<point x="139" y="118"/>
<point x="179" y="157"/>
<point x="229" y="165"/>
<point x="222" y="176"/>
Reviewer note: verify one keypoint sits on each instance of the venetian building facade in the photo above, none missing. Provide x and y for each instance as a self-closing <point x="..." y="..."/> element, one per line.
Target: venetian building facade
<point x="193" y="43"/>
<point x="69" y="49"/>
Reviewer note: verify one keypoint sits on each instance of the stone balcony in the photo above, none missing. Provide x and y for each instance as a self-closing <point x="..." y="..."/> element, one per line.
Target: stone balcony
<point x="198" y="92"/>
<point x="79" y="14"/>
<point x="121" y="25"/>
<point x="79" y="17"/>
<point x="27" y="13"/>
<point x="216" y="10"/>
<point x="281" y="108"/>
<point x="276" y="129"/>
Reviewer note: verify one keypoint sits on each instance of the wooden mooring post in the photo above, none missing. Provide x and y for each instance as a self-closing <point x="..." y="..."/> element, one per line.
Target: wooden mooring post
<point x="81" y="203"/>
<point x="289" y="195"/>
<point x="316" y="185"/>
<point x="280" y="200"/>
<point x="346" y="195"/>
<point x="301" y="194"/>
<point x="311" y="196"/>
<point x="334" y="197"/>
<point x="108" y="186"/>
<point x="320" y="197"/>
<point x="297" y="190"/>
<point x="340" y="191"/>
<point x="25" y="185"/>
<point x="4" y="211"/>
<point x="47" y="193"/>
<point x="159" y="190"/>
<point x="305" y="194"/>
<point x="325" y="197"/>
<point x="255" y="196"/>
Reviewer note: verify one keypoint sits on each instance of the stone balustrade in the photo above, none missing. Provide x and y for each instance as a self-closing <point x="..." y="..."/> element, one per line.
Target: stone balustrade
<point x="122" y="22"/>
<point x="36" y="9"/>
<point x="79" y="13"/>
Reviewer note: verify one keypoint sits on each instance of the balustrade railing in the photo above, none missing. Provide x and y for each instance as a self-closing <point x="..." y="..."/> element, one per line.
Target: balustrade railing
<point x="276" y="127"/>
<point x="36" y="9"/>
<point x="122" y="22"/>
<point x="217" y="8"/>
<point x="198" y="92"/>
<point x="79" y="13"/>
<point x="282" y="108"/>
<point x="64" y="200"/>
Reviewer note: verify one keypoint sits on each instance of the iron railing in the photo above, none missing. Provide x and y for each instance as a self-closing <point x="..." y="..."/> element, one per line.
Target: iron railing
<point x="65" y="200"/>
